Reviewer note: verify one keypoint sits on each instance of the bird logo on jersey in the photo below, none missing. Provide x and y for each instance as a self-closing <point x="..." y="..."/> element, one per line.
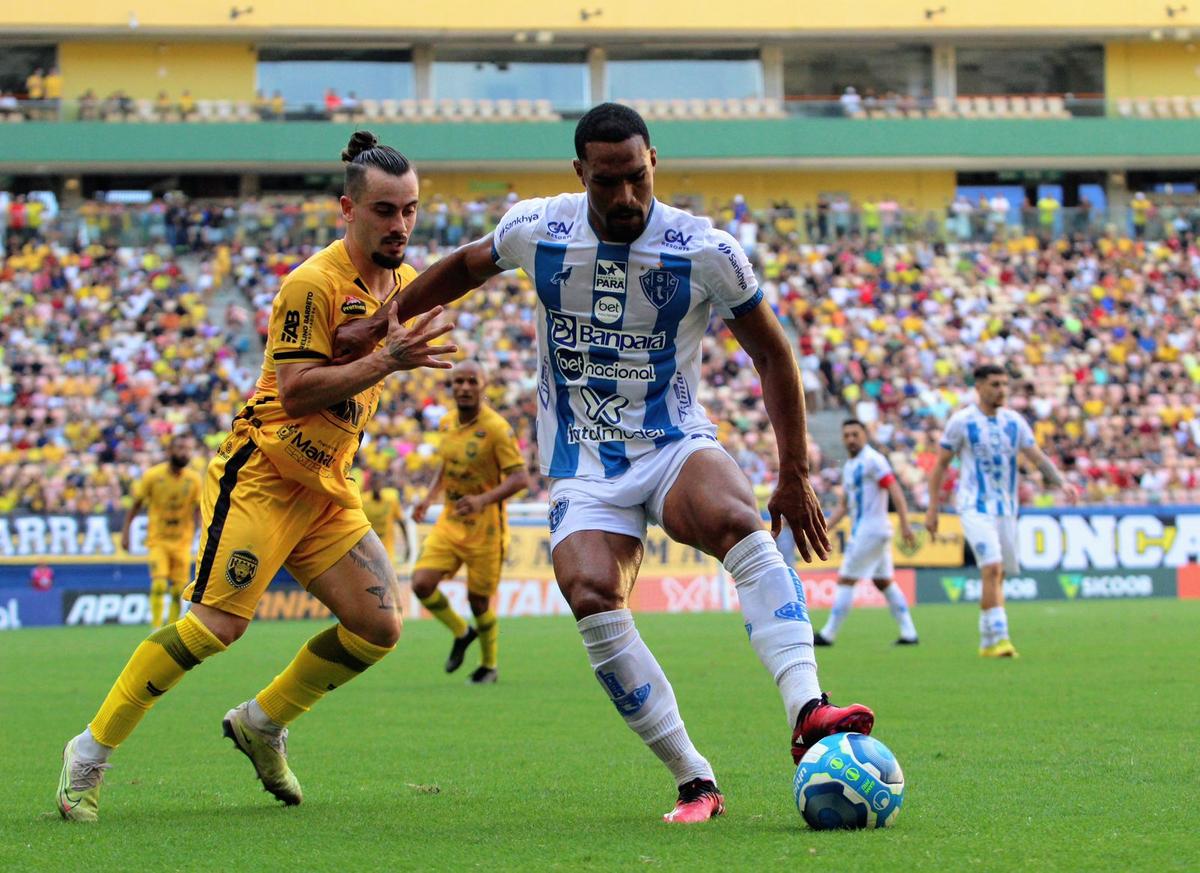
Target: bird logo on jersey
<point x="659" y="287"/>
<point x="603" y="409"/>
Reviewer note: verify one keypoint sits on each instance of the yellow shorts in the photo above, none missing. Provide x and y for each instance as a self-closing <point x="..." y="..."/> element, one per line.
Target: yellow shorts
<point x="171" y="561"/>
<point x="255" y="521"/>
<point x="484" y="562"/>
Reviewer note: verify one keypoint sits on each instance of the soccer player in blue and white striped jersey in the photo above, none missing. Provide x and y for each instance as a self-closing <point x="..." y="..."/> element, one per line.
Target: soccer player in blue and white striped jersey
<point x="988" y="439"/>
<point x="626" y="286"/>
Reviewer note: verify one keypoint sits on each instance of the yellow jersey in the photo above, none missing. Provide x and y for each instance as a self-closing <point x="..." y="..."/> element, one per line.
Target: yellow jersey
<point x="383" y="514"/>
<point x="476" y="457"/>
<point x="316" y="450"/>
<point x="171" y="500"/>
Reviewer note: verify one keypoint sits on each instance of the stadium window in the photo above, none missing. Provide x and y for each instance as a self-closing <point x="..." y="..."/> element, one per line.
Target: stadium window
<point x="474" y="74"/>
<point x="18" y="61"/>
<point x="816" y="76"/>
<point x="303" y="76"/>
<point x="679" y="76"/>
<point x="1026" y="69"/>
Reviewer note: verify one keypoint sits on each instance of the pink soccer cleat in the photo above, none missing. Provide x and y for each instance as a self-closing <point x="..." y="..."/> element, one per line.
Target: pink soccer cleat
<point x="819" y="718"/>
<point x="699" y="800"/>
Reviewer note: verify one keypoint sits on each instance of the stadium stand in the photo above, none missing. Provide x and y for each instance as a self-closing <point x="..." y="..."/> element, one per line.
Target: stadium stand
<point x="123" y="324"/>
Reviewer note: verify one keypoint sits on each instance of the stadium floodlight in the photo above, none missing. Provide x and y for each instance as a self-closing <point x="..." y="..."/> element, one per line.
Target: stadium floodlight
<point x="1172" y="11"/>
<point x="235" y="13"/>
<point x="930" y="13"/>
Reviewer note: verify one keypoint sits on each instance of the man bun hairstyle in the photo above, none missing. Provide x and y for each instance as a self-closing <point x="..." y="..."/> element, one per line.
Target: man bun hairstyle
<point x="364" y="151"/>
<point x="608" y="122"/>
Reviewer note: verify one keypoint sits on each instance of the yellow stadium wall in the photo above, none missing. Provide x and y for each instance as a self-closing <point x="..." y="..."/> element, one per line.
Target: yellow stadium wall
<point x="863" y="16"/>
<point x="927" y="189"/>
<point x="142" y="69"/>
<point x="1151" y="69"/>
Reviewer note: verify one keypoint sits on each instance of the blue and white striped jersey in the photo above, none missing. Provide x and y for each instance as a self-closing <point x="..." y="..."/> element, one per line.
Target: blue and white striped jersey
<point x="987" y="449"/>
<point x="866" y="477"/>
<point x="619" y="327"/>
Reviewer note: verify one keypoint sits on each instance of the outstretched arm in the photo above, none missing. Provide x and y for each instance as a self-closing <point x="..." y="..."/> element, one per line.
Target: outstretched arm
<point x="761" y="335"/>
<point x="450" y="278"/>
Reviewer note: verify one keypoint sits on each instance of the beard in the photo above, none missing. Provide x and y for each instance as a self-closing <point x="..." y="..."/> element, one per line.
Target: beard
<point x="629" y="229"/>
<point x="388" y="263"/>
<point x="179" y="463"/>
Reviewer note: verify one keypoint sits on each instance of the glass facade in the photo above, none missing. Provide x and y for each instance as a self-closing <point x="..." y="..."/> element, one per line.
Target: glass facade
<point x="684" y="78"/>
<point x="1025" y="69"/>
<point x="303" y="77"/>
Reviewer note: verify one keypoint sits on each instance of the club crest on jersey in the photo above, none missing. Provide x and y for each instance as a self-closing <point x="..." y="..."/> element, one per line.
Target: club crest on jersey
<point x="240" y="570"/>
<point x="558" y="511"/>
<point x="354" y="306"/>
<point x="659" y="286"/>
<point x="610" y="275"/>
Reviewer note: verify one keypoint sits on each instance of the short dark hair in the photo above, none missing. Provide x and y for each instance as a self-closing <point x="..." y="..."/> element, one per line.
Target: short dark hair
<point x="365" y="151"/>
<point x="853" y="422"/>
<point x="986" y="371"/>
<point x="608" y="122"/>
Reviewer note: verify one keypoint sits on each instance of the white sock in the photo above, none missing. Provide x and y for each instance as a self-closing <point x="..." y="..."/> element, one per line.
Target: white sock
<point x="89" y="748"/>
<point x="259" y="720"/>
<point x="842" y="601"/>
<point x="640" y="691"/>
<point x="993" y="625"/>
<point x="777" y="620"/>
<point x="899" y="609"/>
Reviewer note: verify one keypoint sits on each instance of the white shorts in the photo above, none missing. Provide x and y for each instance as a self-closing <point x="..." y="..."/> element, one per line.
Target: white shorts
<point x="868" y="556"/>
<point x="625" y="504"/>
<point x="993" y="539"/>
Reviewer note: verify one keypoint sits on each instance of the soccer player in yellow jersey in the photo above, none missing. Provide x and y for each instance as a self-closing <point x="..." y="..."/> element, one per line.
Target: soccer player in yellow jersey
<point x="382" y="506"/>
<point x="481" y="468"/>
<point x="171" y="492"/>
<point x="278" y="493"/>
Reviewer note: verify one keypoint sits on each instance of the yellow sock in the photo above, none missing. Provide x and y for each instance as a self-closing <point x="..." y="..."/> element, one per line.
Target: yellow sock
<point x="437" y="604"/>
<point x="173" y="603"/>
<point x="330" y="659"/>
<point x="489" y="637"/>
<point x="155" y="667"/>
<point x="158" y="587"/>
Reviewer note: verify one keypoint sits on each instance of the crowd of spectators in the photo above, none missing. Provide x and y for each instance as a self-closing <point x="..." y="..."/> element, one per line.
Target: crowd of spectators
<point x="108" y="345"/>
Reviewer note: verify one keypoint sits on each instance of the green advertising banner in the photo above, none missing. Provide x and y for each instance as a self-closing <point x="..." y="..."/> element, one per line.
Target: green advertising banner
<point x="940" y="586"/>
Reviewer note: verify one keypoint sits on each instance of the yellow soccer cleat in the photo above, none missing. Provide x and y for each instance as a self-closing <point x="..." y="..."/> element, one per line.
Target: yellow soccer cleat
<point x="267" y="752"/>
<point x="79" y="786"/>
<point x="1002" y="649"/>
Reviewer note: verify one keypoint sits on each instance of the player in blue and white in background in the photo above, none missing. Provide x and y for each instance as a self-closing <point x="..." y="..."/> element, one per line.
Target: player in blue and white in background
<point x="626" y="286"/>
<point x="988" y="439"/>
<point x="867" y="482"/>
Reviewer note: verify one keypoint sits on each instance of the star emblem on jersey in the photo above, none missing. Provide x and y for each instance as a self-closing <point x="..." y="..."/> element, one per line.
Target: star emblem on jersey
<point x="610" y="275"/>
<point x="659" y="286"/>
<point x="603" y="409"/>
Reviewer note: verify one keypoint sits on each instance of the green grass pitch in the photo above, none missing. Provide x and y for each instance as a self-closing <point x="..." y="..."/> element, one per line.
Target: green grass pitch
<point x="1080" y="755"/>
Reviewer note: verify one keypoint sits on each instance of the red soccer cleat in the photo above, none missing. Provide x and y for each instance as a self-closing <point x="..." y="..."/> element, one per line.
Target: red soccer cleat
<point x="819" y="718"/>
<point x="699" y="800"/>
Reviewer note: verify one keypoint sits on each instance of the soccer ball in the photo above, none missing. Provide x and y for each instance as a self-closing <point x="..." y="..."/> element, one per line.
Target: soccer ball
<point x="849" y="781"/>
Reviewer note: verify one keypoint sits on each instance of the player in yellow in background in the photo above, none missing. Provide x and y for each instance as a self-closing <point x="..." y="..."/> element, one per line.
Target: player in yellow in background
<point x="171" y="493"/>
<point x="481" y="468"/>
<point x="279" y="493"/>
<point x="383" y="510"/>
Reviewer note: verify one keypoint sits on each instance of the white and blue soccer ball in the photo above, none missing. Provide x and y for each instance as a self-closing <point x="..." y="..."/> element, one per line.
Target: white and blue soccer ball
<point x="849" y="781"/>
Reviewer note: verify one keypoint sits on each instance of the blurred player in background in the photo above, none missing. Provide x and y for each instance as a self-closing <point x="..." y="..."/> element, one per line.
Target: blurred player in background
<point x="988" y="440"/>
<point x="481" y="468"/>
<point x="867" y="482"/>
<point x="278" y="493"/>
<point x="383" y="510"/>
<point x="170" y="491"/>
<point x="626" y="287"/>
